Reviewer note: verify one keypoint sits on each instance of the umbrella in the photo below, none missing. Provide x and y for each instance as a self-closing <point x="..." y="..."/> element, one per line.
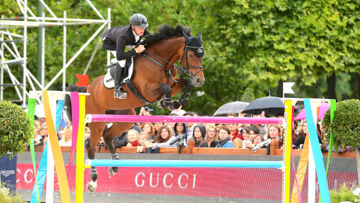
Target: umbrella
<point x="271" y="106"/>
<point x="324" y="107"/>
<point x="231" y="108"/>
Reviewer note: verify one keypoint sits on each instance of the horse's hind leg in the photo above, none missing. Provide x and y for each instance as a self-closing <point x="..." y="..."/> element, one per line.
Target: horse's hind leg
<point x="115" y="130"/>
<point x="96" y="130"/>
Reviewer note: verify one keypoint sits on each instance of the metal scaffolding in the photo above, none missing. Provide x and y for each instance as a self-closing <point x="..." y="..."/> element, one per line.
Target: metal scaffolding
<point x="10" y="41"/>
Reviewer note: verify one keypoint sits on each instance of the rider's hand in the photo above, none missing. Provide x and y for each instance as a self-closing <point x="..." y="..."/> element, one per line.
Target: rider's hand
<point x="139" y="49"/>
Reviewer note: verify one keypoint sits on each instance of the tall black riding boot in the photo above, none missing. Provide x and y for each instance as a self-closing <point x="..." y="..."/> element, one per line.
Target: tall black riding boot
<point x="118" y="78"/>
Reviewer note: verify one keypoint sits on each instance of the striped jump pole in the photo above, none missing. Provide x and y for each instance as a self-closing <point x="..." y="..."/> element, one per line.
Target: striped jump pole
<point x="180" y="119"/>
<point x="183" y="163"/>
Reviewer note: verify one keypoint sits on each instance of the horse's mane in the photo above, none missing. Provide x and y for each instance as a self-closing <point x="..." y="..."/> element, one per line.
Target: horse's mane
<point x="165" y="31"/>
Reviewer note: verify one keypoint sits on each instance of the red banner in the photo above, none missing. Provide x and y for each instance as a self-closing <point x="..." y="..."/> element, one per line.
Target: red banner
<point x="206" y="182"/>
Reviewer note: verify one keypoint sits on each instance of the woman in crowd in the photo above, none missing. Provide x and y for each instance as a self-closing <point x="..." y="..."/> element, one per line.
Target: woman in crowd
<point x="254" y="130"/>
<point x="157" y="126"/>
<point x="67" y="136"/>
<point x="275" y="133"/>
<point x="199" y="133"/>
<point x="211" y="137"/>
<point x="149" y="129"/>
<point x="258" y="138"/>
<point x="246" y="135"/>
<point x="165" y="138"/>
<point x="224" y="138"/>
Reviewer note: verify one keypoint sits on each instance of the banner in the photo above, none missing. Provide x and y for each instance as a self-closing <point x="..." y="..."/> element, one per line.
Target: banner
<point x="202" y="182"/>
<point x="8" y="172"/>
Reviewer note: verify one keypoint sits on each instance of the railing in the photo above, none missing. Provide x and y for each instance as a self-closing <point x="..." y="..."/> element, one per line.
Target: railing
<point x="274" y="151"/>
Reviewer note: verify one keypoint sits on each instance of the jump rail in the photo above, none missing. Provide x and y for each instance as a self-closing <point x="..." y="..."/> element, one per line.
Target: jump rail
<point x="183" y="163"/>
<point x="180" y="119"/>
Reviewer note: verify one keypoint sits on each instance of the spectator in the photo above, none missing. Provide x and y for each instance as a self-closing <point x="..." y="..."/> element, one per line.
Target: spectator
<point x="145" y="111"/>
<point x="149" y="129"/>
<point x="132" y="138"/>
<point x="129" y="139"/>
<point x="157" y="126"/>
<point x="190" y="126"/>
<point x="66" y="138"/>
<point x="247" y="137"/>
<point x="165" y="138"/>
<point x="224" y="138"/>
<point x="199" y="134"/>
<point x="275" y="132"/>
<point x="295" y="132"/>
<point x="143" y="142"/>
<point x="258" y="138"/>
<point x="211" y="138"/>
<point x="254" y="130"/>
<point x="234" y="133"/>
<point x="299" y="142"/>
<point x="218" y="126"/>
<point x="180" y="129"/>
<point x="238" y="143"/>
<point x="41" y="138"/>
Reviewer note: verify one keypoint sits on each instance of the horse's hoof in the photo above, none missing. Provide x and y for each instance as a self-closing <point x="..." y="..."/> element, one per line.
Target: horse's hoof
<point x="164" y="103"/>
<point x="91" y="186"/>
<point x="113" y="170"/>
<point x="175" y="104"/>
<point x="159" y="105"/>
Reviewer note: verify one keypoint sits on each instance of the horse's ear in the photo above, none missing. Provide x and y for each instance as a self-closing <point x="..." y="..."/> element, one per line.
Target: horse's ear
<point x="200" y="36"/>
<point x="187" y="38"/>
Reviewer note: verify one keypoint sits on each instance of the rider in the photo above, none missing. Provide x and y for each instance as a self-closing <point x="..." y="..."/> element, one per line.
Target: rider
<point x="117" y="38"/>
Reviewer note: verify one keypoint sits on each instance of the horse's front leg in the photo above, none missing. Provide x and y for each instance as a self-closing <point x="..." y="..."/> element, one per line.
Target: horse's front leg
<point x="166" y="90"/>
<point x="185" y="84"/>
<point x="188" y="85"/>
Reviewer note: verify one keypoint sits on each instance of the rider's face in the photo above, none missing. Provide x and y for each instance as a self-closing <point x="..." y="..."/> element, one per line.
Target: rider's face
<point x="138" y="30"/>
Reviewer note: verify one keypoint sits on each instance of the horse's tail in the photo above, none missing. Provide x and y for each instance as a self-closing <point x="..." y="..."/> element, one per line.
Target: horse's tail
<point x="67" y="102"/>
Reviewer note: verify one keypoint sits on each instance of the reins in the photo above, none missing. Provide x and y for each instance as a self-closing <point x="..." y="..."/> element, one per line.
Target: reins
<point x="180" y="69"/>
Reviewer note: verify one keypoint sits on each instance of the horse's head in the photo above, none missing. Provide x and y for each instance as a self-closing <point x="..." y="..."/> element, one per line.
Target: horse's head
<point x="192" y="57"/>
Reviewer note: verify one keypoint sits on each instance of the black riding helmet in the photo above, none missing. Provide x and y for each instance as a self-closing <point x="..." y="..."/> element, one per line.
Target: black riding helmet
<point x="139" y="20"/>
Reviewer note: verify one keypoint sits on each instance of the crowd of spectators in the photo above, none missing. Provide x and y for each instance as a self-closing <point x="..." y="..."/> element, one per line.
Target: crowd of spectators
<point x="149" y="137"/>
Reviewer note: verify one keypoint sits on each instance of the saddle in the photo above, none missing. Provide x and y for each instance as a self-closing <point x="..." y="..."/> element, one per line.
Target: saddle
<point x="110" y="69"/>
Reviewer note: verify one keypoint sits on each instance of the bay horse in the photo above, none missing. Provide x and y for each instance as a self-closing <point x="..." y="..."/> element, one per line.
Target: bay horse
<point x="156" y="78"/>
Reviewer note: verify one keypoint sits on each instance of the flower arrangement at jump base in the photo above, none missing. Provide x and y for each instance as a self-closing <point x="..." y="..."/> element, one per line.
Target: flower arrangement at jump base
<point x="6" y="197"/>
<point x="15" y="129"/>
<point x="344" y="195"/>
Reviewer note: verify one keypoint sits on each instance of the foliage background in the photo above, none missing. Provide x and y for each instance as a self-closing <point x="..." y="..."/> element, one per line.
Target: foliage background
<point x="251" y="46"/>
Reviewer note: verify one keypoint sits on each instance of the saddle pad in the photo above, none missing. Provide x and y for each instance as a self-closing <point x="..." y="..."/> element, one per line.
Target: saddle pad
<point x="109" y="81"/>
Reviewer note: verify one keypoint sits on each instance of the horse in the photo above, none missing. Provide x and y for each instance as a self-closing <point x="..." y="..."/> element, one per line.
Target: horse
<point x="156" y="78"/>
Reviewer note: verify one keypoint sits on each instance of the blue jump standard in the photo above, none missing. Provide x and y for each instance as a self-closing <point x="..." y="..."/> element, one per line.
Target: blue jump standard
<point x="184" y="163"/>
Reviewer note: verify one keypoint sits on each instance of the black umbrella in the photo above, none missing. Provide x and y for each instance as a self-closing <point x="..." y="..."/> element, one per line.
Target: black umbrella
<point x="231" y="108"/>
<point x="271" y="106"/>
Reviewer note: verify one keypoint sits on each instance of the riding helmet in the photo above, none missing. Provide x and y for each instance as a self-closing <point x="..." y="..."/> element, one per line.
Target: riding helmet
<point x="139" y="20"/>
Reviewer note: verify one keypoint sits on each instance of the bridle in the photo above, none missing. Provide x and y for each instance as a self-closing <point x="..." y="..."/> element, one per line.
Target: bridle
<point x="188" y="67"/>
<point x="180" y="69"/>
